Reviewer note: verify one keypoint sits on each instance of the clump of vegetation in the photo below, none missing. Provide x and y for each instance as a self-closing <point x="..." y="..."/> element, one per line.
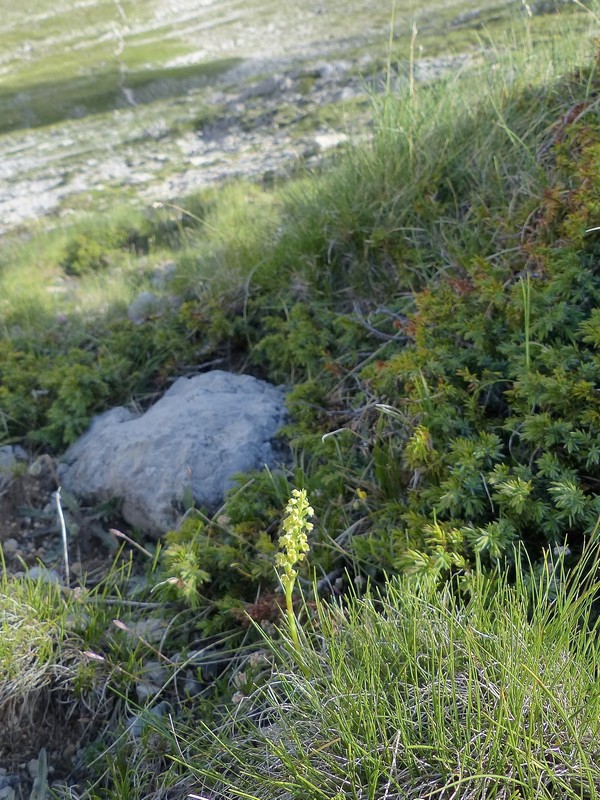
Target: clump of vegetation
<point x="51" y="694"/>
<point x="416" y="693"/>
<point x="431" y="303"/>
<point x="471" y="424"/>
<point x="439" y="331"/>
<point x="50" y="388"/>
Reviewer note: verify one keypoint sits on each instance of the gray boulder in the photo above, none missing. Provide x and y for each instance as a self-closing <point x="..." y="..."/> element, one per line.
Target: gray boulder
<point x="190" y="443"/>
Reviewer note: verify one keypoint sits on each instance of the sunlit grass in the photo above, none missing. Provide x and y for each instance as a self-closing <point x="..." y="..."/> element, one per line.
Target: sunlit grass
<point x="413" y="693"/>
<point x="420" y="693"/>
<point x="216" y="239"/>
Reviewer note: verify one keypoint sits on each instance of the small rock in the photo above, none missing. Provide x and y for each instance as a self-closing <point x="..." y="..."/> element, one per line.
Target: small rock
<point x="10" y="454"/>
<point x="139" y="722"/>
<point x="333" y="71"/>
<point x="263" y="88"/>
<point x="191" y="443"/>
<point x="163" y="274"/>
<point x="44" y="574"/>
<point x="326" y="141"/>
<point x="33" y="767"/>
<point x="192" y="687"/>
<point x="145" y="690"/>
<point x="346" y="94"/>
<point x="9" y="459"/>
<point x="78" y="621"/>
<point x="7" y="782"/>
<point x="155" y="672"/>
<point x="156" y="131"/>
<point x="69" y="751"/>
<point x="44" y="466"/>
<point x="209" y="663"/>
<point x="138" y="177"/>
<point x="144" y="306"/>
<point x="10" y="547"/>
<point x="151" y="629"/>
<point x="7" y="793"/>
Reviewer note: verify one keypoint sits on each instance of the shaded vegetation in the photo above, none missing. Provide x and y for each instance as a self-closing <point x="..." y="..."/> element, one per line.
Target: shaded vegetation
<point x="431" y="300"/>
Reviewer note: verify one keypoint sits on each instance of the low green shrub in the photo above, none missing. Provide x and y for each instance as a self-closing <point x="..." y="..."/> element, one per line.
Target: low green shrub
<point x="93" y="247"/>
<point x="217" y="560"/>
<point x="50" y="388"/>
<point x="472" y="424"/>
<point x="495" y="414"/>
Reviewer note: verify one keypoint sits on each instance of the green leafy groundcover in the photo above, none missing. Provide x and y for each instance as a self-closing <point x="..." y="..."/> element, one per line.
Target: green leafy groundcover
<point x="478" y="424"/>
<point x="496" y="421"/>
<point x="435" y="309"/>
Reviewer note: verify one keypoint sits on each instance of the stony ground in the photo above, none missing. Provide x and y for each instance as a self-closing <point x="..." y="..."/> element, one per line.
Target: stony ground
<point x="264" y="127"/>
<point x="268" y="86"/>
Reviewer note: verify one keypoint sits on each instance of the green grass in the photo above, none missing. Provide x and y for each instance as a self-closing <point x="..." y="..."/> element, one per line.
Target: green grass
<point x="69" y="85"/>
<point x="47" y="102"/>
<point x="77" y="60"/>
<point x="417" y="693"/>
<point x="30" y="635"/>
<point x="42" y="662"/>
<point x="429" y="296"/>
<point x="71" y="661"/>
<point x="88" y="272"/>
<point x="491" y="23"/>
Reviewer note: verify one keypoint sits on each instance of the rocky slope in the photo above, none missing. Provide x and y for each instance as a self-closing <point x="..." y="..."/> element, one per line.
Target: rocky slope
<point x="117" y="100"/>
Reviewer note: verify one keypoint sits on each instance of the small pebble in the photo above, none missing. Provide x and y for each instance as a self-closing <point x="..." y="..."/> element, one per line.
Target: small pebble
<point x="44" y="465"/>
<point x="155" y="672"/>
<point x="145" y="690"/>
<point x="69" y="751"/>
<point x="44" y="574"/>
<point x="10" y="547"/>
<point x="139" y="722"/>
<point x="192" y="687"/>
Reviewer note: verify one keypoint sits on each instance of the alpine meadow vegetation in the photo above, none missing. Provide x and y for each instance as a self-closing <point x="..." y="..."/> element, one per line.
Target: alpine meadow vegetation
<point x="430" y="297"/>
<point x="415" y="693"/>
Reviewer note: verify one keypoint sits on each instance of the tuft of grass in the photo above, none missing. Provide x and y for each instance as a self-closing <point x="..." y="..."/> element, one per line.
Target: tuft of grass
<point x="30" y="638"/>
<point x="74" y="662"/>
<point x="416" y="693"/>
<point x="44" y="677"/>
<point x="447" y="159"/>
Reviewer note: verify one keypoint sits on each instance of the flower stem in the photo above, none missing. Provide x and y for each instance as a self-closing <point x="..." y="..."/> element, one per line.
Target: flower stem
<point x="292" y="621"/>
